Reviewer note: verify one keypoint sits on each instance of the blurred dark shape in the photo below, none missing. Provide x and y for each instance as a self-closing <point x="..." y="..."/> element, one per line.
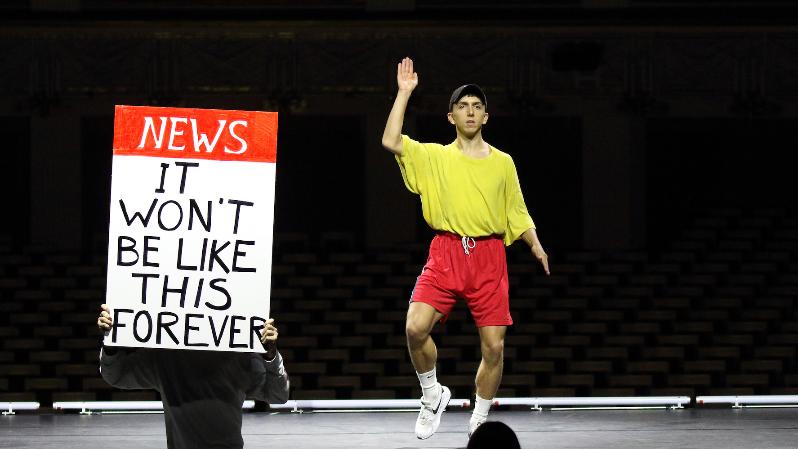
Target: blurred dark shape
<point x="493" y="434"/>
<point x="42" y="103"/>
<point x="165" y="99"/>
<point x="753" y="104"/>
<point x="531" y="103"/>
<point x="390" y="5"/>
<point x="285" y="101"/>
<point x="642" y="104"/>
<point x="577" y="56"/>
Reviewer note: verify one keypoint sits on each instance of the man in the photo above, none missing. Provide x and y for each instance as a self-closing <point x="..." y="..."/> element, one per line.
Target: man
<point x="470" y="195"/>
<point x="202" y="391"/>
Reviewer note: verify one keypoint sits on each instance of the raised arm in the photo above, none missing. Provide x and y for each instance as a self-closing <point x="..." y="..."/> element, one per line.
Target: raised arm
<point x="406" y="80"/>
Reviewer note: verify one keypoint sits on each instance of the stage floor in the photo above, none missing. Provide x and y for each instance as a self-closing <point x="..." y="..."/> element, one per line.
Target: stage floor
<point x="615" y="429"/>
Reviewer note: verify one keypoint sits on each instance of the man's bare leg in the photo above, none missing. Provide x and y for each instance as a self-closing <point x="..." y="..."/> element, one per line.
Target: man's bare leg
<point x="489" y="375"/>
<point x="421" y="318"/>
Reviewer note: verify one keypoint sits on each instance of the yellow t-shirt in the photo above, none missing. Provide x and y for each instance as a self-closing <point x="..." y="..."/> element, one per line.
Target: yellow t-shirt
<point x="465" y="196"/>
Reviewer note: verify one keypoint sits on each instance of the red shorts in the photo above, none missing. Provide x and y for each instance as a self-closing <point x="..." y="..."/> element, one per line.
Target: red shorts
<point x="478" y="276"/>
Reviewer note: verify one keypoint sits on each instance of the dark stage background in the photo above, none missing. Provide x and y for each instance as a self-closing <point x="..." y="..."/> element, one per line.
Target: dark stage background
<point x="654" y="141"/>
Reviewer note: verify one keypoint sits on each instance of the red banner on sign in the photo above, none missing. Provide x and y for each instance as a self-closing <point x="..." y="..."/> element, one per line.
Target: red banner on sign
<point x="195" y="133"/>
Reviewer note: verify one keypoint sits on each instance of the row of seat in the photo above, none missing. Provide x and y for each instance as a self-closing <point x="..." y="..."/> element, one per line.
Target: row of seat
<point x="714" y="314"/>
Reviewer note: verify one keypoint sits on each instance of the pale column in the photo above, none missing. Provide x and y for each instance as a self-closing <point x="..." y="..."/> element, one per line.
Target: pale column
<point x="392" y="211"/>
<point x="613" y="179"/>
<point x="56" y="209"/>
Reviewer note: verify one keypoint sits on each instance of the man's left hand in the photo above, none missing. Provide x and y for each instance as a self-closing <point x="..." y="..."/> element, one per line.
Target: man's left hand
<point x="542" y="257"/>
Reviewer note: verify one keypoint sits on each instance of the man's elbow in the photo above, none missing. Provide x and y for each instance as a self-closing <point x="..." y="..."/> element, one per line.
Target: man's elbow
<point x="392" y="145"/>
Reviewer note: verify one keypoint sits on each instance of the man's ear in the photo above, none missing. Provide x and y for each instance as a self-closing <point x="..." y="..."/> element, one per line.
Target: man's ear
<point x="485" y="119"/>
<point x="449" y="117"/>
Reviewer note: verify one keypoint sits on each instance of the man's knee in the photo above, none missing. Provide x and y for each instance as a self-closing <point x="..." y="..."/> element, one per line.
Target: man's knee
<point x="493" y="351"/>
<point x="421" y="318"/>
<point x="416" y="331"/>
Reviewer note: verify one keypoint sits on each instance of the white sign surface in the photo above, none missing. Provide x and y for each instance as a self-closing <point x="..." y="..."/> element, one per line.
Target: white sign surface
<point x="191" y="228"/>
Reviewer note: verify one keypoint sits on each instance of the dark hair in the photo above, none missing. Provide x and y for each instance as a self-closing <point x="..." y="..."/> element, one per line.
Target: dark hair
<point x="493" y="434"/>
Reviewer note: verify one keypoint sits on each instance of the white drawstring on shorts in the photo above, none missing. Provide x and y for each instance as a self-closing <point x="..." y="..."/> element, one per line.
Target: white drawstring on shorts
<point x="468" y="244"/>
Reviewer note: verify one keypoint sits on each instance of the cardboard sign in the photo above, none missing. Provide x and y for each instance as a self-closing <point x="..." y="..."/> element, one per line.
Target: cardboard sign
<point x="191" y="228"/>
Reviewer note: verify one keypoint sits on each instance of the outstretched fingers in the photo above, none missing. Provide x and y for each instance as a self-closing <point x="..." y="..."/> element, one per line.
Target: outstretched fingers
<point x="405" y="75"/>
<point x="544" y="260"/>
<point x="408" y="67"/>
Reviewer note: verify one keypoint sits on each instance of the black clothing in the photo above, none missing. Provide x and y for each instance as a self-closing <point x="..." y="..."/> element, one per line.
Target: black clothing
<point x="202" y="391"/>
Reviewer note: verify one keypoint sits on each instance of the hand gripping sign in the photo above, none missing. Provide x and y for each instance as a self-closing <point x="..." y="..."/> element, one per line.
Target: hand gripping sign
<point x="190" y="236"/>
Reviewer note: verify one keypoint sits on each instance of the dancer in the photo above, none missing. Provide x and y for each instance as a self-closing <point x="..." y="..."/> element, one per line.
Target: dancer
<point x="202" y="391"/>
<point x="471" y="197"/>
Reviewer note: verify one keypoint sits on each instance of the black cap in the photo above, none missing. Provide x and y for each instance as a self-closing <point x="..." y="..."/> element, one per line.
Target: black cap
<point x="467" y="89"/>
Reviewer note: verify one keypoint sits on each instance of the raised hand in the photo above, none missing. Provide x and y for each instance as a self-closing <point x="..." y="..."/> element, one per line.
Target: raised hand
<point x="406" y="78"/>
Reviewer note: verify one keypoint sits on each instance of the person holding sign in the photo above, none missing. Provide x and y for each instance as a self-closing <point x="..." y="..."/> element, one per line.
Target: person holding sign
<point x="471" y="196"/>
<point x="202" y="391"/>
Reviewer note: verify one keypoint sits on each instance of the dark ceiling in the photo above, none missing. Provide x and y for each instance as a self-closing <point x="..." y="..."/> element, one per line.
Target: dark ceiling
<point x="555" y="12"/>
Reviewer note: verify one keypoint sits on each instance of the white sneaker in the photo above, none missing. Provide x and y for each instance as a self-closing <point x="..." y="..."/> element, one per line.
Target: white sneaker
<point x="429" y="417"/>
<point x="473" y="423"/>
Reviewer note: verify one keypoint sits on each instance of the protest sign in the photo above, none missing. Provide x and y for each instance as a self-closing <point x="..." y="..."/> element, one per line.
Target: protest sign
<point x="191" y="228"/>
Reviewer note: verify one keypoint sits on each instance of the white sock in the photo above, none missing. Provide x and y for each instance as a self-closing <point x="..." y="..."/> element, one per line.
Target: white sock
<point x="429" y="384"/>
<point x="482" y="407"/>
